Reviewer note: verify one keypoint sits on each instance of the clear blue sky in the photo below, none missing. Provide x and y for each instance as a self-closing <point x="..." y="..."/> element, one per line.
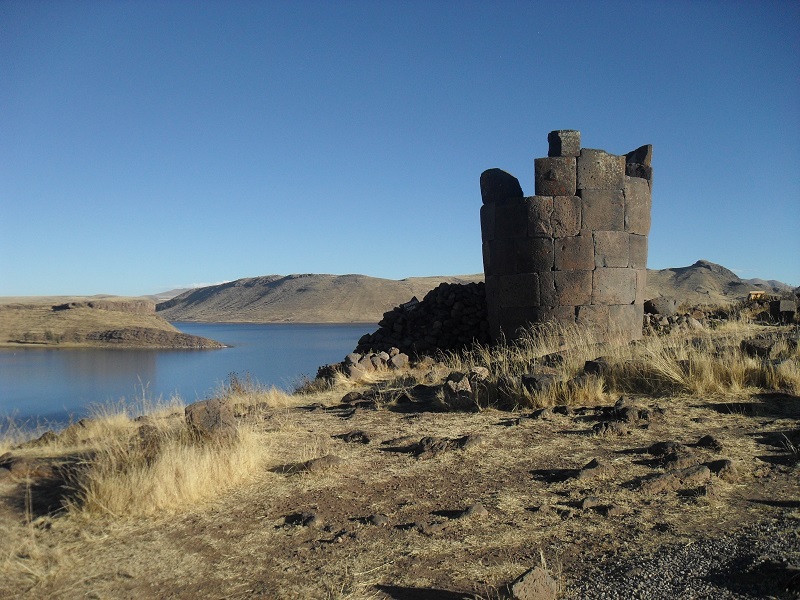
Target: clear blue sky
<point x="152" y="145"/>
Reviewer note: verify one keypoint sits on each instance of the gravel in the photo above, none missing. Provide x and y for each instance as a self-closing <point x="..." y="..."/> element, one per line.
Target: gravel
<point x="759" y="561"/>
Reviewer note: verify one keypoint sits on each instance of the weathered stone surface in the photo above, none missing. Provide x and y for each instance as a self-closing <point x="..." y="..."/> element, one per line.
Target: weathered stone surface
<point x="783" y="311"/>
<point x="323" y="463"/>
<point x="566" y="217"/>
<point x="637" y="206"/>
<point x="638" y="254"/>
<point x="626" y="319"/>
<point x="613" y="286"/>
<point x="498" y="185"/>
<point x="487" y="222"/>
<point x="554" y="176"/>
<point x="539" y="211"/>
<point x="575" y="253"/>
<point x="511" y="320"/>
<point x="560" y="314"/>
<point x="603" y="210"/>
<point x="595" y="317"/>
<point x="641" y="285"/>
<point x="547" y="289"/>
<point x="535" y="584"/>
<point x="533" y="255"/>
<point x="599" y="170"/>
<point x="611" y="249"/>
<point x="564" y="142"/>
<point x="661" y="306"/>
<point x="574" y="288"/>
<point x="399" y="361"/>
<point x="521" y="290"/>
<point x="511" y="218"/>
<point x="211" y="418"/>
<point x="643" y="155"/>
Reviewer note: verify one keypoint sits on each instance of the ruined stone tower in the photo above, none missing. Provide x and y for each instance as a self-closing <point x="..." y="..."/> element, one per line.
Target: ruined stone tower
<point x="576" y="252"/>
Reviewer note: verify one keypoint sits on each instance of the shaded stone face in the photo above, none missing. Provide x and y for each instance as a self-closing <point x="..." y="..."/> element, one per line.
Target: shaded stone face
<point x="576" y="252"/>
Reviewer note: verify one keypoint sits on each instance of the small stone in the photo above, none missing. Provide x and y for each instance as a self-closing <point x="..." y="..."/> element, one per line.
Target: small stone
<point x="475" y="510"/>
<point x="317" y="465"/>
<point x="534" y="584"/>
<point x="378" y="520"/>
<point x="725" y="469"/>
<point x="709" y="441"/>
<point x="595" y="468"/>
<point x="590" y="502"/>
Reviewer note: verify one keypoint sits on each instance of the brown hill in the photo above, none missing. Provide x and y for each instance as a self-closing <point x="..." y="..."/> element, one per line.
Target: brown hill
<point x="300" y="299"/>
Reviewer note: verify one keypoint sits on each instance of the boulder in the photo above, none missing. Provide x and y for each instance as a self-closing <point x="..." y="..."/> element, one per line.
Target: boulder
<point x="211" y="418"/>
<point x="534" y="584"/>
<point x="661" y="306"/>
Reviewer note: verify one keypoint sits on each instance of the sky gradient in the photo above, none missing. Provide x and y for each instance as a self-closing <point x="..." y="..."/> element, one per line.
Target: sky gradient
<point x="146" y="146"/>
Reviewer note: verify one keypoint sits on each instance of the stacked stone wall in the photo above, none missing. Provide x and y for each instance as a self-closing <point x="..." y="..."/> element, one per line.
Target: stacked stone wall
<point x="576" y="252"/>
<point x="449" y="317"/>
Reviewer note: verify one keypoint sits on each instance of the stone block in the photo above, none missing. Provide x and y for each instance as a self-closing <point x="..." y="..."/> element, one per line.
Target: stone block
<point x="510" y="219"/>
<point x="539" y="211"/>
<point x="637" y="206"/>
<point x="593" y="316"/>
<point x="564" y="142"/>
<point x="491" y="291"/>
<point x="574" y="288"/>
<point x="574" y="253"/>
<point x="499" y="257"/>
<point x="487" y="222"/>
<point x="603" y="210"/>
<point x="641" y="285"/>
<point x="547" y="289"/>
<point x="518" y="291"/>
<point x="511" y="320"/>
<point x="599" y="170"/>
<point x="640" y="171"/>
<point x="554" y="176"/>
<point x="642" y="155"/>
<point x="566" y="217"/>
<point x="497" y="185"/>
<point x="560" y="314"/>
<point x="613" y="286"/>
<point x="533" y="255"/>
<point x="638" y="245"/>
<point x="611" y="249"/>
<point x="626" y="320"/>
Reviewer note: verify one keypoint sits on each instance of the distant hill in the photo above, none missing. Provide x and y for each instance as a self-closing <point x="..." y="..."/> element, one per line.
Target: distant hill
<point x="300" y="299"/>
<point x="363" y="299"/>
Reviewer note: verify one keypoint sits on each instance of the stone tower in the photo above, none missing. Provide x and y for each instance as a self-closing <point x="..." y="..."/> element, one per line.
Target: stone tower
<point x="576" y="252"/>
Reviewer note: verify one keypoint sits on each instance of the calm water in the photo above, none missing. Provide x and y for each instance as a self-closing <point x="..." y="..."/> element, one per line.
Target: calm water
<point x="56" y="385"/>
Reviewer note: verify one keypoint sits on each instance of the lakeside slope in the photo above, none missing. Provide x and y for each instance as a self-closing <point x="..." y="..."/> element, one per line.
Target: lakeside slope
<point x="97" y="321"/>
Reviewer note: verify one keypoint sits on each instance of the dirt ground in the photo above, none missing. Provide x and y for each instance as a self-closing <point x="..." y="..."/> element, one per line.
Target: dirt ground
<point x="459" y="515"/>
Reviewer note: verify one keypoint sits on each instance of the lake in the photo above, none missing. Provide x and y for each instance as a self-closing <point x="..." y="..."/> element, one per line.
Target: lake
<point x="56" y="385"/>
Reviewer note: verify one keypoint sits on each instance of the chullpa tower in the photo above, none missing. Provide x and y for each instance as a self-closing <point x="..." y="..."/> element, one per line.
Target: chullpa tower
<point x="576" y="252"/>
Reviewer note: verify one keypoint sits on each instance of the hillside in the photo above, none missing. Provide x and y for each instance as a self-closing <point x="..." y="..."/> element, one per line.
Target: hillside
<point x="363" y="299"/>
<point x="300" y="299"/>
<point x="89" y="321"/>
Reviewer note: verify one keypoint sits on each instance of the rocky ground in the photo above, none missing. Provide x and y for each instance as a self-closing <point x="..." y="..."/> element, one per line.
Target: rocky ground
<point x="377" y="495"/>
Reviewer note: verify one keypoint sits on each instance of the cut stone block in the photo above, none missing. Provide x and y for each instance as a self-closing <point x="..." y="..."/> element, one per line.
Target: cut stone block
<point x="640" y="171"/>
<point x="638" y="251"/>
<point x="637" y="206"/>
<point x="575" y="253"/>
<point x="533" y="255"/>
<point x="641" y="285"/>
<point x="574" y="288"/>
<point x="547" y="289"/>
<point x="555" y="176"/>
<point x="564" y="142"/>
<point x="626" y="319"/>
<point x="613" y="286"/>
<point x="499" y="257"/>
<point x="599" y="170"/>
<point x="593" y="316"/>
<point x="611" y="249"/>
<point x="518" y="291"/>
<point x="539" y="210"/>
<point x="498" y="185"/>
<point x="560" y="314"/>
<point x="603" y="210"/>
<point x="511" y="320"/>
<point x="487" y="222"/>
<point x="642" y="155"/>
<point x="566" y="217"/>
<point x="510" y="219"/>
